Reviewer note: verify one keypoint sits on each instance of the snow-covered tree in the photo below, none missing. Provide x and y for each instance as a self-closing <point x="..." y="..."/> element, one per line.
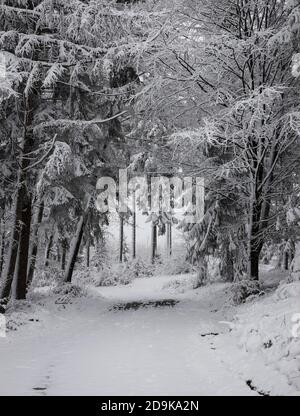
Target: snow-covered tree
<point x="68" y="80"/>
<point x="225" y="82"/>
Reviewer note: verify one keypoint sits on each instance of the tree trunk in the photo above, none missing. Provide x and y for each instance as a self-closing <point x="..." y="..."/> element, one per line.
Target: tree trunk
<point x="31" y="99"/>
<point x="169" y="239"/>
<point x="74" y="249"/>
<point x="2" y="247"/>
<point x="153" y="243"/>
<point x="22" y="263"/>
<point x="121" y="239"/>
<point x="88" y="254"/>
<point x="34" y="248"/>
<point x="254" y="264"/>
<point x="255" y="236"/>
<point x="63" y="254"/>
<point x="48" y="251"/>
<point x="13" y="247"/>
<point x="286" y="261"/>
<point x="227" y="265"/>
<point x="58" y="256"/>
<point x="134" y="228"/>
<point x="261" y="204"/>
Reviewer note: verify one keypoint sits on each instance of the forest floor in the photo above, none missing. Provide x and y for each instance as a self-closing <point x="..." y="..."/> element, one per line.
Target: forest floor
<point x="155" y="336"/>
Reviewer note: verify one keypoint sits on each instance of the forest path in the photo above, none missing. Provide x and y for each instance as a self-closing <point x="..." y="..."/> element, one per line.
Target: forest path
<point x="95" y="347"/>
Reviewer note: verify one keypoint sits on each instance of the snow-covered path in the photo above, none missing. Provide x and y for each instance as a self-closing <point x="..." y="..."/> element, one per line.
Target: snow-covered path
<point x="90" y="349"/>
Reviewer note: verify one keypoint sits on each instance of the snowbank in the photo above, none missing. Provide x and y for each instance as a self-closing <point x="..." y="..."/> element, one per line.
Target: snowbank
<point x="270" y="327"/>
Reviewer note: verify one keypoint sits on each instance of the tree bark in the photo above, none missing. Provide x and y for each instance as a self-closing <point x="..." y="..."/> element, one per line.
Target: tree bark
<point x="227" y="265"/>
<point x="254" y="264"/>
<point x="134" y="228"/>
<point x="153" y="243"/>
<point x="22" y="263"/>
<point x="121" y="242"/>
<point x="76" y="244"/>
<point x="257" y="226"/>
<point x="58" y="256"/>
<point x="261" y="204"/>
<point x="22" y="216"/>
<point x="34" y="248"/>
<point x="74" y="250"/>
<point x="286" y="261"/>
<point x="169" y="239"/>
<point x="13" y="247"/>
<point x="64" y="246"/>
<point x="48" y="251"/>
<point x="2" y="247"/>
<point x="88" y="254"/>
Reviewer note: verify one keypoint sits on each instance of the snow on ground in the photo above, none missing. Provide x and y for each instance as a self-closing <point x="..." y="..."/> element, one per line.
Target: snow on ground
<point x="270" y="329"/>
<point x="136" y="340"/>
